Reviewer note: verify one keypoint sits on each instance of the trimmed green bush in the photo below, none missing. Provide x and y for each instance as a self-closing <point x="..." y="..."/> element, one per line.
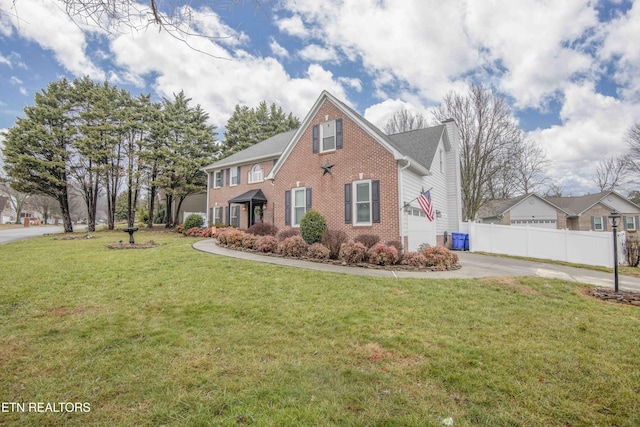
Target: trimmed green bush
<point x="312" y="226"/>
<point x="193" y="220"/>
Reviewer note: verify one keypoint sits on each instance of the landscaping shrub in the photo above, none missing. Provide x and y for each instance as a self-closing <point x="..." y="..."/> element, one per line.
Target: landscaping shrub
<point x="289" y="232"/>
<point x="440" y="258"/>
<point x="368" y="240"/>
<point x="234" y="237"/>
<point x="205" y="232"/>
<point x="267" y="244"/>
<point x="263" y="229"/>
<point x="333" y="240"/>
<point x="293" y="246"/>
<point x="312" y="226"/>
<point x="250" y="241"/>
<point x="193" y="232"/>
<point x="631" y="249"/>
<point x="396" y="244"/>
<point x="353" y="252"/>
<point x="414" y="259"/>
<point x="193" y="220"/>
<point x="221" y="235"/>
<point x="180" y="228"/>
<point x="381" y="254"/>
<point x="318" y="251"/>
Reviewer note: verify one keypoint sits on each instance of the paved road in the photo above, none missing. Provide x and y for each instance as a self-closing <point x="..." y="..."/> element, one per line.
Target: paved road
<point x="13" y="234"/>
<point x="473" y="266"/>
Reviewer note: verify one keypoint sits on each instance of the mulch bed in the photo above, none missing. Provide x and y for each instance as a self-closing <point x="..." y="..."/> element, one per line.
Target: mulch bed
<point x="75" y="237"/>
<point x="622" y="297"/>
<point x="122" y="245"/>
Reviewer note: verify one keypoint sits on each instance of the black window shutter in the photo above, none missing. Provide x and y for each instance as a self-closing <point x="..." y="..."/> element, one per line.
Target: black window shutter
<point x="238" y="175"/>
<point x="315" y="138"/>
<point x="227" y="175"/>
<point x="636" y="224"/>
<point x="308" y="198"/>
<point x="287" y="207"/>
<point x="347" y="203"/>
<point x="338" y="133"/>
<point x="604" y="223"/>
<point x="222" y="178"/>
<point x="375" y="201"/>
<point x="227" y="212"/>
<point x="624" y="222"/>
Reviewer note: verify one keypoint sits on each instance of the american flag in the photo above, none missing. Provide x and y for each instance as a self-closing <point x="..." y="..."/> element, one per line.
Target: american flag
<point x="425" y="203"/>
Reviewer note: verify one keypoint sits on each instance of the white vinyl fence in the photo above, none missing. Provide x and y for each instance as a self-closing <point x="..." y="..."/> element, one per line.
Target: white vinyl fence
<point x="579" y="247"/>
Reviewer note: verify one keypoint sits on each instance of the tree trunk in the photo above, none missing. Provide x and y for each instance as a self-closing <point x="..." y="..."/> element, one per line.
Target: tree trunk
<point x="176" y="220"/>
<point x="63" y="200"/>
<point x="169" y="212"/>
<point x="152" y="203"/>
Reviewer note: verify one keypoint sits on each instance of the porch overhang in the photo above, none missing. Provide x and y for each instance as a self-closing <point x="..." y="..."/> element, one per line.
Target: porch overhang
<point x="252" y="196"/>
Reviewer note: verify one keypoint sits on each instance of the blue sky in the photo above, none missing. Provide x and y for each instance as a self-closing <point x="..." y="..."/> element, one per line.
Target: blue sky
<point x="569" y="69"/>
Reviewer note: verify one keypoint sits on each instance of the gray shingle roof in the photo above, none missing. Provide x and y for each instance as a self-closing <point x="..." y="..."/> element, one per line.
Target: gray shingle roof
<point x="579" y="204"/>
<point x="269" y="148"/>
<point x="420" y="144"/>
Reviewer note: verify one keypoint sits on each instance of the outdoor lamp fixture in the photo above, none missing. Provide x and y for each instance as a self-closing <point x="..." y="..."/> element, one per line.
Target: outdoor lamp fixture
<point x="614" y="220"/>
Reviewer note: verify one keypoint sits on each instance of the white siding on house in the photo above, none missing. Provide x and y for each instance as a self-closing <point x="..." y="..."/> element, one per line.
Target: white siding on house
<point x="619" y="204"/>
<point x="445" y="197"/>
<point x="535" y="212"/>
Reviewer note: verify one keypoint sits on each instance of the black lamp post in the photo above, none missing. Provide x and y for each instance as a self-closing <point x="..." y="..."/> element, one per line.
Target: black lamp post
<point x="614" y="219"/>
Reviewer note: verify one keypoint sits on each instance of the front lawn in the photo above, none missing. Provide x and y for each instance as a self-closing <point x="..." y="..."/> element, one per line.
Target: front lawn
<point x="171" y="336"/>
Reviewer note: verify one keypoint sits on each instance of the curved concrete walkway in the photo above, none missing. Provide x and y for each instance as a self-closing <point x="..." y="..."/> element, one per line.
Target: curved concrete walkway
<point x="473" y="266"/>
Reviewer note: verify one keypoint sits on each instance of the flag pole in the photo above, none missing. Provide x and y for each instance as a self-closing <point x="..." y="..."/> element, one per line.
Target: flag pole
<point x="414" y="199"/>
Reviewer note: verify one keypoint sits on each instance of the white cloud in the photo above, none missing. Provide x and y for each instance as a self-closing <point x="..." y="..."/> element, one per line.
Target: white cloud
<point x="593" y="128"/>
<point x="379" y="114"/>
<point x="277" y="49"/>
<point x="316" y="53"/>
<point x="4" y="60"/>
<point x="49" y="26"/>
<point x="293" y="26"/>
<point x="15" y="81"/>
<point x="620" y="46"/>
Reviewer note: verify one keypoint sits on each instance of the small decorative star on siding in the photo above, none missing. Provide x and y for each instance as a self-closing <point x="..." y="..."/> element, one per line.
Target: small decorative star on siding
<point x="327" y="168"/>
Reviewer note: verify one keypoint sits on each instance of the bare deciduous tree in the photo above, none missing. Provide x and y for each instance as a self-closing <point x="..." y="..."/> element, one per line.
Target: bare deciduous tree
<point x="404" y="121"/>
<point x="554" y="190"/>
<point x="530" y="161"/>
<point x="487" y="131"/>
<point x="611" y="173"/>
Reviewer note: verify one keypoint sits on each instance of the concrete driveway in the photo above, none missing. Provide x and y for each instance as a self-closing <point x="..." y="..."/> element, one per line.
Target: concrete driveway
<point x="473" y="266"/>
<point x="13" y="234"/>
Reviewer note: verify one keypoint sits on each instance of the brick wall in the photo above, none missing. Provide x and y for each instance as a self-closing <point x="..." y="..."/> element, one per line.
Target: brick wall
<point x="220" y="196"/>
<point x="361" y="158"/>
<point x="584" y="221"/>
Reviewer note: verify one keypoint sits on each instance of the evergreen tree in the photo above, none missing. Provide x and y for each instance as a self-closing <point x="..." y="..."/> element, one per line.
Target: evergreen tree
<point x="38" y="146"/>
<point x="248" y="126"/>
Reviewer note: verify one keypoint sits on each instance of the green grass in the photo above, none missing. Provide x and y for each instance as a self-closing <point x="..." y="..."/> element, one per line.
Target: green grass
<point x="171" y="336"/>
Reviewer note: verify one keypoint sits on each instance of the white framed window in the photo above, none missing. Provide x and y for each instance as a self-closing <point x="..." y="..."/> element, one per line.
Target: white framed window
<point x="328" y="136"/>
<point x="235" y="216"/>
<point x="299" y="205"/>
<point x="217" y="215"/>
<point x="630" y="223"/>
<point x="362" y="205"/>
<point x="598" y="223"/>
<point x="217" y="179"/>
<point x="234" y="176"/>
<point x="256" y="174"/>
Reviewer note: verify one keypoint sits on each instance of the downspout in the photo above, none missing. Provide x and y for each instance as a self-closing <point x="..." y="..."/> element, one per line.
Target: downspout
<point x="209" y="221"/>
<point x="400" y="202"/>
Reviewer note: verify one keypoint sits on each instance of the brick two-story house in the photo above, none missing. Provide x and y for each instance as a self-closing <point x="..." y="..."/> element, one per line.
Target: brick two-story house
<point x="361" y="180"/>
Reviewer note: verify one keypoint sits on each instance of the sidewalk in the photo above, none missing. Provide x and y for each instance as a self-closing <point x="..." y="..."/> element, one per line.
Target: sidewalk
<point x="473" y="266"/>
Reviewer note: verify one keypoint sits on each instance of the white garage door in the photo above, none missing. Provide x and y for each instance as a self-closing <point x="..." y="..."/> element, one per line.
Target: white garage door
<point x="420" y="229"/>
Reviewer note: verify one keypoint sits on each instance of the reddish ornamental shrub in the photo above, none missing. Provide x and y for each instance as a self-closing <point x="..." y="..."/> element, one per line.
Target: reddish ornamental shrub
<point x="318" y="251"/>
<point x="414" y="259"/>
<point x="440" y="258"/>
<point x="353" y="252"/>
<point x="381" y="254"/>
<point x="289" y="232"/>
<point x="205" y="232"/>
<point x="234" y="238"/>
<point x="193" y="232"/>
<point x="333" y="240"/>
<point x="263" y="229"/>
<point x="221" y="235"/>
<point x="267" y="244"/>
<point x="293" y="246"/>
<point x="367" y="239"/>
<point x="179" y="228"/>
<point x="250" y="241"/>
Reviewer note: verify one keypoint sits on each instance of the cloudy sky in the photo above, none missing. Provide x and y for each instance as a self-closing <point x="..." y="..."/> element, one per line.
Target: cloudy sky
<point x="568" y="68"/>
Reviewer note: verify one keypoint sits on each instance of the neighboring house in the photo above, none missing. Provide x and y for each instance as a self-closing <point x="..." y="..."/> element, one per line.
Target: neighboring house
<point x="361" y="180"/>
<point x="5" y="210"/>
<point x="582" y="213"/>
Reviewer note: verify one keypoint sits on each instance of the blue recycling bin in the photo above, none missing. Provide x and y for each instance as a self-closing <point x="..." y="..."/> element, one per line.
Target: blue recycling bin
<point x="457" y="241"/>
<point x="460" y="241"/>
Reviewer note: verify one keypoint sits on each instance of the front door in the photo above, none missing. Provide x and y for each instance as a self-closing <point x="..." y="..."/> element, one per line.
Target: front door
<point x="257" y="214"/>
